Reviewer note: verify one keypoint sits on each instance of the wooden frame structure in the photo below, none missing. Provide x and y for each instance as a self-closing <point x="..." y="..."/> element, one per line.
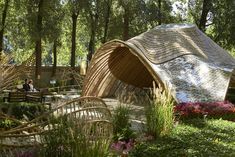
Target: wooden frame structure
<point x="193" y="66"/>
<point x="86" y="112"/>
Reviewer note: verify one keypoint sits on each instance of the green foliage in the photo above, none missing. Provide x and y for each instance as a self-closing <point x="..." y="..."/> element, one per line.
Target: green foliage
<point x="159" y="113"/>
<point x="153" y="14"/>
<point x="21" y="22"/>
<point x="7" y="124"/>
<point x="194" y="11"/>
<point x="121" y="118"/>
<point x="125" y="134"/>
<point x="23" y="110"/>
<point x="220" y="19"/>
<point x="195" y="137"/>
<point x="223" y="23"/>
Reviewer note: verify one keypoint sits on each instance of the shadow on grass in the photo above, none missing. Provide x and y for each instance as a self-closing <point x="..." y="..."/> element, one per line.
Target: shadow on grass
<point x="213" y="138"/>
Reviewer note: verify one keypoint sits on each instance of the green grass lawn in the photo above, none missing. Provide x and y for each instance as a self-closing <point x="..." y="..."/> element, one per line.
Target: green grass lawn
<point x="195" y="137"/>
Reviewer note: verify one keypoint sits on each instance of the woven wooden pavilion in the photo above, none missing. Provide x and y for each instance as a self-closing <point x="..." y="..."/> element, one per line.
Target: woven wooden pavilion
<point x="180" y="56"/>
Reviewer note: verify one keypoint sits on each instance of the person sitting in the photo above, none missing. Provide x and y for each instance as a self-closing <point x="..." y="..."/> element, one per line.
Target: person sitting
<point x="32" y="89"/>
<point x="26" y="86"/>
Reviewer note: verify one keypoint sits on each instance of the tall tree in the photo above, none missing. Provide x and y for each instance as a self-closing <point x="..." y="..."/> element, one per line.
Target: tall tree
<point x="159" y="12"/>
<point x="54" y="58"/>
<point x="2" y="28"/>
<point x="74" y="17"/>
<point x="223" y="23"/>
<point x="35" y="11"/>
<point x="53" y="27"/>
<point x="38" y="42"/>
<point x="108" y="5"/>
<point x="125" y="4"/>
<point x="194" y="11"/>
<point x="75" y="6"/>
<point x="93" y="8"/>
<point x="217" y="18"/>
<point x="206" y="7"/>
<point x="43" y="17"/>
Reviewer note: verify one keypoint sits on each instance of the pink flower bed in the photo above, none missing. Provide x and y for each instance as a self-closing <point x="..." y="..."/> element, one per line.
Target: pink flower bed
<point x="212" y="109"/>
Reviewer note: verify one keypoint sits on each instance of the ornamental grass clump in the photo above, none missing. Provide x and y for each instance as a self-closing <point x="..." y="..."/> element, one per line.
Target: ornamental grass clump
<point x="159" y="113"/>
<point x="124" y="137"/>
<point x="121" y="118"/>
<point x="76" y="138"/>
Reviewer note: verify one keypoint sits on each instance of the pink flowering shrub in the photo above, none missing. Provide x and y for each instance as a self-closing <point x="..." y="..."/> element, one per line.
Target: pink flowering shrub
<point x="31" y="152"/>
<point x="224" y="109"/>
<point x="122" y="147"/>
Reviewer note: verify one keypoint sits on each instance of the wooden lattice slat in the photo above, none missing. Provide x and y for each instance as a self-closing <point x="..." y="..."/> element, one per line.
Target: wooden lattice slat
<point x="88" y="113"/>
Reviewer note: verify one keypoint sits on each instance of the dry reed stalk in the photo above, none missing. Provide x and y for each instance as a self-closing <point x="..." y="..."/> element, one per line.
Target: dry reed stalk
<point x="10" y="73"/>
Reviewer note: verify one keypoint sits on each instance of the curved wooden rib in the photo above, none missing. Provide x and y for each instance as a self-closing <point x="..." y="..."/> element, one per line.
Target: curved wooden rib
<point x="116" y="62"/>
<point x="88" y="112"/>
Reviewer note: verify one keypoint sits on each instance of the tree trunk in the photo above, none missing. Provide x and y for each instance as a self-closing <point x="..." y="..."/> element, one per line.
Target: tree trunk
<point x="91" y="42"/>
<point x="160" y="12"/>
<point x="73" y="50"/>
<point x="38" y="46"/>
<point x="94" y="21"/>
<point x="205" y="10"/>
<point x="4" y="15"/>
<point x="126" y="24"/>
<point x="91" y="45"/>
<point x="54" y="58"/>
<point x="107" y="19"/>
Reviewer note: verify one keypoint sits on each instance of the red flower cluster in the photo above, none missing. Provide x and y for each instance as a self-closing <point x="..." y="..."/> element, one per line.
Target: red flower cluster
<point x="216" y="109"/>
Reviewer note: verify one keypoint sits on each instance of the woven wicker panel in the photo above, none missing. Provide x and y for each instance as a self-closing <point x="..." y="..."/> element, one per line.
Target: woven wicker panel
<point x="162" y="44"/>
<point x="193" y="80"/>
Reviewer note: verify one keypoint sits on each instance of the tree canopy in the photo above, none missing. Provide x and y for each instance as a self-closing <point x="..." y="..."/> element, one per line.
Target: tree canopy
<point x="63" y="32"/>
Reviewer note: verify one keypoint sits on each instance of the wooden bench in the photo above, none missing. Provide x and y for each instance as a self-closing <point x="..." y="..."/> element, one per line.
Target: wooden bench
<point x="35" y="97"/>
<point x="24" y="97"/>
<point x="15" y="97"/>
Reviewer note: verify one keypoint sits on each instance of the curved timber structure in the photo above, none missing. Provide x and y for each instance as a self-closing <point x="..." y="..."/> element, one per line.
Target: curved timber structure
<point x="193" y="66"/>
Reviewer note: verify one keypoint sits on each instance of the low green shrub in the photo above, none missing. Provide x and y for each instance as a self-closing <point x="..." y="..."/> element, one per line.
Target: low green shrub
<point x="21" y="110"/>
<point x="6" y="124"/>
